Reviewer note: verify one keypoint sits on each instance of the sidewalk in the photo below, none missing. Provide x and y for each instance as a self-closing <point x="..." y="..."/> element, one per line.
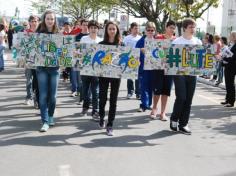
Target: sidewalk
<point x="208" y="82"/>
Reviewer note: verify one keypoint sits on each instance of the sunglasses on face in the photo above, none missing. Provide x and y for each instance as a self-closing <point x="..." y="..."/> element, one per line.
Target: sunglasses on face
<point x="150" y="30"/>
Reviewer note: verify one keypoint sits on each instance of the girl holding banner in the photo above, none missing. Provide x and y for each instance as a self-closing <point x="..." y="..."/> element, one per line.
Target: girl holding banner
<point x="48" y="77"/>
<point x="161" y="83"/>
<point x="112" y="36"/>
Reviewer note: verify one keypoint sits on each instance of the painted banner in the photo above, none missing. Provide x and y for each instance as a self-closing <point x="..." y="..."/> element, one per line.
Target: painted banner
<point x="38" y="49"/>
<point x="179" y="59"/>
<point x="108" y="61"/>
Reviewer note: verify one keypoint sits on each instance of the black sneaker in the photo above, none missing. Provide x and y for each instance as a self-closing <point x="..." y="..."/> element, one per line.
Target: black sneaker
<point x="101" y="124"/>
<point x="185" y="130"/>
<point x="141" y="110"/>
<point x="84" y="111"/>
<point x="174" y="126"/>
<point x="138" y="97"/>
<point x="224" y="102"/>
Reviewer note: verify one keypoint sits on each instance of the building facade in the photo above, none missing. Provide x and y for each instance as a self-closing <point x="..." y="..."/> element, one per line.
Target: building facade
<point x="228" y="17"/>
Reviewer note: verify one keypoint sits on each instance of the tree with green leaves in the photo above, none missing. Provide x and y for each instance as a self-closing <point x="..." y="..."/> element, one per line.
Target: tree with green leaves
<point x="160" y="11"/>
<point x="152" y="10"/>
<point x="75" y="8"/>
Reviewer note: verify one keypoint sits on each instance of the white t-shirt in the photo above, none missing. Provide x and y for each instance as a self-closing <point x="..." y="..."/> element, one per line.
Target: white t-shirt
<point x="131" y="40"/>
<point x="181" y="40"/>
<point x="88" y="39"/>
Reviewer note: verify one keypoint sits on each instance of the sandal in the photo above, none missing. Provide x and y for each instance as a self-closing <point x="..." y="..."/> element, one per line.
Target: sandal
<point x="163" y="118"/>
<point x="153" y="114"/>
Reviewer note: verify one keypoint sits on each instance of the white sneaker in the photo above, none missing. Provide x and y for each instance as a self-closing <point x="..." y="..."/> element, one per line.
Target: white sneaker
<point x="74" y="94"/>
<point x="129" y="96"/>
<point x="44" y="128"/>
<point x="27" y="102"/>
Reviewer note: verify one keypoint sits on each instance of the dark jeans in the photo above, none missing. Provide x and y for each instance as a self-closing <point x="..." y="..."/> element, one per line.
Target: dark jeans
<point x="90" y="83"/>
<point x="103" y="89"/>
<point x="230" y="73"/>
<point x="130" y="87"/>
<point x="35" y="86"/>
<point x="66" y="73"/>
<point x="48" y="78"/>
<point x="184" y="91"/>
<point x="29" y="79"/>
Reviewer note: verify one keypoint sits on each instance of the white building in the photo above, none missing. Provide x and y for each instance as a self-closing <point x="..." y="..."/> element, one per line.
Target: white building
<point x="228" y="17"/>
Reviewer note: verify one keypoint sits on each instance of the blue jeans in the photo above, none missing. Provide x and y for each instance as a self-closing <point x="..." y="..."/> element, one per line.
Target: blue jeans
<point x="48" y="78"/>
<point x="76" y="83"/>
<point x="90" y="83"/>
<point x="1" y="62"/>
<point x="29" y="85"/>
<point x="184" y="91"/>
<point x="220" y="72"/>
<point x="145" y="80"/>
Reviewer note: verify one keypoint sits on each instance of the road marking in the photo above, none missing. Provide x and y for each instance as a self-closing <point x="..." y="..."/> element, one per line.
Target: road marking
<point x="208" y="98"/>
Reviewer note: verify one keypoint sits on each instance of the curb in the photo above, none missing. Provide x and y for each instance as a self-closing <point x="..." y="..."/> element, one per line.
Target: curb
<point x="205" y="81"/>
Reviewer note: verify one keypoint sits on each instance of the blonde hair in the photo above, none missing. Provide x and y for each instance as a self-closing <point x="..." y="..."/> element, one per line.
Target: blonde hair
<point x="150" y="24"/>
<point x="233" y="35"/>
<point x="216" y="38"/>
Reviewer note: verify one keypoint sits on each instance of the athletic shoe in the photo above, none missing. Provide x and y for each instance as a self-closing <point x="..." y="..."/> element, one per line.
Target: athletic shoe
<point x="44" y="128"/>
<point x="185" y="130"/>
<point x="51" y="121"/>
<point x="110" y="131"/>
<point x="174" y="126"/>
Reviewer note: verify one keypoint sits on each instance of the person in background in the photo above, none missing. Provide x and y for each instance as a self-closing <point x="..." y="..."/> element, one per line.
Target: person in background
<point x="66" y="31"/>
<point x="230" y="72"/>
<point x="208" y="42"/>
<point x="161" y="83"/>
<point x="30" y="73"/>
<point x="48" y="77"/>
<point x="3" y="33"/>
<point x="219" y="67"/>
<point x="217" y="47"/>
<point x="131" y="41"/>
<point x="2" y="48"/>
<point x="112" y="36"/>
<point x="77" y="28"/>
<point x="77" y="77"/>
<point x="184" y="85"/>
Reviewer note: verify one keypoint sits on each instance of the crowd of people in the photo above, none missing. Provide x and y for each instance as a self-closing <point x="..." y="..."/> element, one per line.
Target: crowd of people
<point x="150" y="86"/>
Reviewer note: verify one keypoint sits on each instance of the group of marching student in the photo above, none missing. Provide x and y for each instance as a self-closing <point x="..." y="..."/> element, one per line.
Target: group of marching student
<point x="48" y="77"/>
<point x="150" y="87"/>
<point x="156" y="85"/>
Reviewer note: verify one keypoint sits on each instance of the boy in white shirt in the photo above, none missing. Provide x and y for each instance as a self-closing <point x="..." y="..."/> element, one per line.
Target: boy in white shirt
<point x="184" y="85"/>
<point x="91" y="82"/>
<point x="131" y="40"/>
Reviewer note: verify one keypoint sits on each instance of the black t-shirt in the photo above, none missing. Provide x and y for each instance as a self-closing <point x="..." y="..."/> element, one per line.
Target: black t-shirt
<point x="79" y="36"/>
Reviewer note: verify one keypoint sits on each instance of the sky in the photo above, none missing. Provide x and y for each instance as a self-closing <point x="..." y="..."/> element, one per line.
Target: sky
<point x="7" y="7"/>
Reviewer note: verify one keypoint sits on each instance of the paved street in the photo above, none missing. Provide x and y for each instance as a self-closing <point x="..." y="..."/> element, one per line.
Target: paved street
<point x="140" y="147"/>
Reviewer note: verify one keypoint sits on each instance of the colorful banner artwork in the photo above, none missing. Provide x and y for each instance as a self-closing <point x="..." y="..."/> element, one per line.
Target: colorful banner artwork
<point x="48" y="50"/>
<point x="108" y="61"/>
<point x="179" y="59"/>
